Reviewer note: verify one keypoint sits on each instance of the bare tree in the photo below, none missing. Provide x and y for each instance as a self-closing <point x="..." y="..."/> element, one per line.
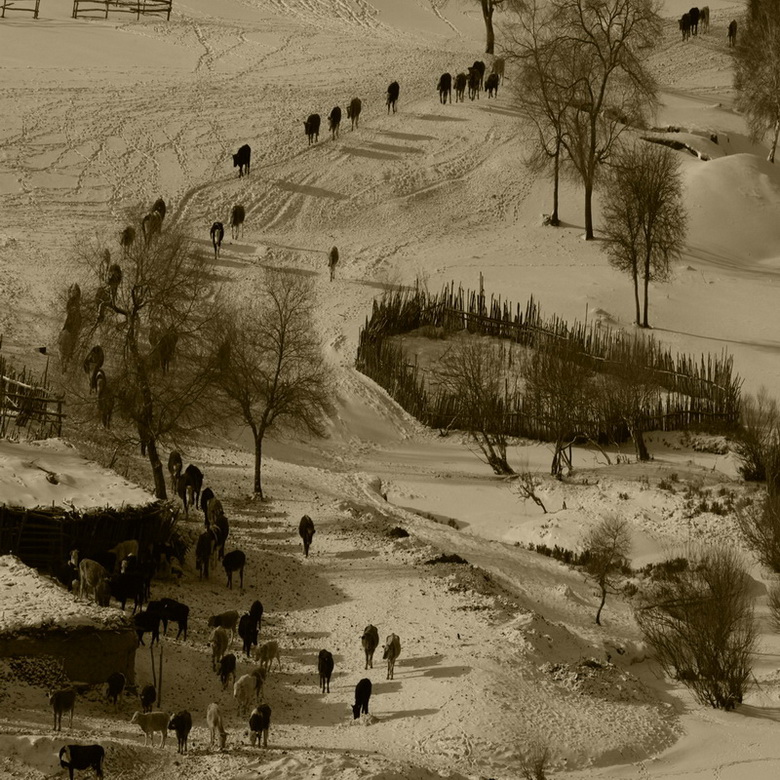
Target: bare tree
<point x="269" y="364"/>
<point x="559" y="394"/>
<point x="488" y="7"/>
<point x="607" y="545"/>
<point x="758" y="440"/>
<point x="474" y="371"/>
<point x="142" y="341"/>
<point x="757" y="72"/>
<point x="536" y="761"/>
<point x="700" y="623"/>
<point x="612" y="88"/>
<point x="759" y="524"/>
<point x="528" y="485"/>
<point x="644" y="216"/>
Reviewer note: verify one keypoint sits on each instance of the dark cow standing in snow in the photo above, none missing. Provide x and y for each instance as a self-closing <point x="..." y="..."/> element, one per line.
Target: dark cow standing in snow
<point x="474" y="83"/>
<point x="362" y="695"/>
<point x="445" y="87"/>
<point x="693" y="13"/>
<point x="491" y="85"/>
<point x="704" y="19"/>
<point x="306" y="531"/>
<point x="334" y="120"/>
<point x="217" y="234"/>
<point x="479" y="66"/>
<point x="461" y="80"/>
<point x="732" y="32"/>
<point x="312" y="127"/>
<point x="393" y="90"/>
<point x="353" y="111"/>
<point x="685" y="26"/>
<point x="498" y="68"/>
<point x="237" y="216"/>
<point x="241" y="159"/>
<point x="82" y="757"/>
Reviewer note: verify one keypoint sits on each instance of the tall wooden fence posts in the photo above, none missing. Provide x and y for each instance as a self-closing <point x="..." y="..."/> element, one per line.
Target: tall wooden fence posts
<point x="92" y="9"/>
<point x="30" y="6"/>
<point x="695" y="391"/>
<point x="27" y="405"/>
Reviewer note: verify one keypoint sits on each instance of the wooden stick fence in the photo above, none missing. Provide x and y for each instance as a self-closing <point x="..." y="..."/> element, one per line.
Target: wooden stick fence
<point x="101" y="8"/>
<point x="29" y="6"/>
<point x="28" y="407"/>
<point x="695" y="391"/>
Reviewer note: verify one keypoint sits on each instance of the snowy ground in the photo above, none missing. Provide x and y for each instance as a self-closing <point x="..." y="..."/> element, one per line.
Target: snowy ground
<point x="99" y="116"/>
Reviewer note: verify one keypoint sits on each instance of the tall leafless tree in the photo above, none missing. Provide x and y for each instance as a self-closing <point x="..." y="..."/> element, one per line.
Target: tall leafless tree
<point x="488" y="7"/>
<point x="757" y="72"/>
<point x="269" y="364"/>
<point x="644" y="217"/>
<point x="162" y="282"/>
<point x="608" y="545"/>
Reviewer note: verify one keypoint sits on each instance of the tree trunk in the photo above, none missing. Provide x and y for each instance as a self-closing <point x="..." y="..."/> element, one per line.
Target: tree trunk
<point x="487" y="13"/>
<point x="645" y="323"/>
<point x="589" y="211"/>
<point x="157" y="469"/>
<point x="639" y="442"/>
<point x="554" y="218"/>
<point x="772" y="148"/>
<point x="635" y="275"/>
<point x="601" y="606"/>
<point x="258" y="464"/>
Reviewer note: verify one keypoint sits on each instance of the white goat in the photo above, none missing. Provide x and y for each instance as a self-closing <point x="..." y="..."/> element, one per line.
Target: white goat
<point x="244" y="691"/>
<point x="214" y="721"/>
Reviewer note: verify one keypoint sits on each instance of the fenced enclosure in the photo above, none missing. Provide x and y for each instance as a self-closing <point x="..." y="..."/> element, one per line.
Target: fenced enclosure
<point x="29" y="408"/>
<point x="28" y="6"/>
<point x="100" y="9"/>
<point x="691" y="391"/>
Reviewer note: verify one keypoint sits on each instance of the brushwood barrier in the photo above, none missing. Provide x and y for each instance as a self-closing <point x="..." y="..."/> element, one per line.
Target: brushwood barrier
<point x="692" y="391"/>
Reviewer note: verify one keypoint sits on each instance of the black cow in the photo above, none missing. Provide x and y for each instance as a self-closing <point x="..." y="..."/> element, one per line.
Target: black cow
<point x="160" y="207"/>
<point x="474" y="83"/>
<point x="393" y="90"/>
<point x="325" y="668"/>
<point x="174" y="468"/>
<point x="227" y="667"/>
<point x="181" y="723"/>
<point x="479" y="66"/>
<point x="234" y="561"/>
<point x="693" y="13"/>
<point x="256" y="611"/>
<point x="74" y="757"/>
<point x="205" y="497"/>
<point x="241" y="159"/>
<point x="217" y="233"/>
<point x="203" y="553"/>
<point x="732" y="32"/>
<point x="248" y="631"/>
<point x="685" y="26"/>
<point x="306" y="531"/>
<point x="237" y="216"/>
<point x="704" y="19"/>
<point x="491" y="85"/>
<point x="445" y="87"/>
<point x="176" y="612"/>
<point x="334" y="120"/>
<point x="353" y="111"/>
<point x="312" y="127"/>
<point x="460" y="86"/>
<point x="147" y="622"/>
<point x="116" y="684"/>
<point x="362" y="695"/>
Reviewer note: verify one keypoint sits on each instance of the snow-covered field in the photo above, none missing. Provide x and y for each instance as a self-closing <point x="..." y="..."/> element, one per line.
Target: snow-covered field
<point x="99" y="116"/>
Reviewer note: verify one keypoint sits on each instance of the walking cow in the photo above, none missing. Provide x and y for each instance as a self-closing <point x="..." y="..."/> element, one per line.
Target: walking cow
<point x="445" y="88"/>
<point x="393" y="90"/>
<point x="491" y="85"/>
<point x="217" y="233"/>
<point x="461" y="80"/>
<point x="353" y="111"/>
<point x="312" y="127"/>
<point x="306" y="531"/>
<point x="732" y="32"/>
<point x="241" y="160"/>
<point x="334" y="120"/>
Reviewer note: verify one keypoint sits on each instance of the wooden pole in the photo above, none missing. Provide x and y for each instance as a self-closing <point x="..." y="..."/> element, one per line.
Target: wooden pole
<point x="159" y="689"/>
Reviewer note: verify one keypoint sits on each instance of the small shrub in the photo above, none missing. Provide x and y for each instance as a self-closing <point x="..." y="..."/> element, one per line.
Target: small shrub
<point x="454" y="558"/>
<point x="666" y="484"/>
<point x="623" y="496"/>
<point x="398" y="533"/>
<point x="673" y="477"/>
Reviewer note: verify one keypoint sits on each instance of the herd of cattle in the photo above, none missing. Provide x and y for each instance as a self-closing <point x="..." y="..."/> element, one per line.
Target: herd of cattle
<point x="698" y="19"/>
<point x="125" y="573"/>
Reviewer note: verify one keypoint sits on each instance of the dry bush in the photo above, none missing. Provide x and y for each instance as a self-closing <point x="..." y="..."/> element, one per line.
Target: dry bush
<point x="537" y="760"/>
<point x="760" y="527"/>
<point x="758" y="442"/>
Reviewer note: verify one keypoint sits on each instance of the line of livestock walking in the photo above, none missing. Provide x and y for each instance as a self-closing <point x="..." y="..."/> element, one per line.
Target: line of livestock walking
<point x="697" y="20"/>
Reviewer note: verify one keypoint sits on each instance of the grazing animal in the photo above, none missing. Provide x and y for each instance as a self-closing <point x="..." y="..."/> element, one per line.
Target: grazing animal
<point x="82" y="757"/>
<point x="203" y="549"/>
<point x="704" y="19"/>
<point x="256" y="611"/>
<point x="732" y="32"/>
<point x="160" y="207"/>
<point x="151" y="225"/>
<point x="147" y="622"/>
<point x="491" y="85"/>
<point x="325" y="668"/>
<point x="214" y="722"/>
<point x="194" y="477"/>
<point x="205" y="497"/>
<point x="461" y="80"/>
<point x="353" y="111"/>
<point x="220" y="640"/>
<point x="362" y="695"/>
<point x="266" y="653"/>
<point x="370" y="642"/>
<point x="177" y="612"/>
<point x="217" y="233"/>
<point x="474" y="83"/>
<point x="334" y="121"/>
<point x="116" y="685"/>
<point x="306" y="532"/>
<point x="91" y="574"/>
<point x="479" y="66"/>
<point x="241" y="159"/>
<point x="237" y="216"/>
<point x="234" y="561"/>
<point x="259" y="724"/>
<point x="244" y="692"/>
<point x="393" y="91"/>
<point x="498" y="68"/>
<point x="181" y="723"/>
<point x="392" y="651"/>
<point x="248" y="631"/>
<point x="685" y="26"/>
<point x="694" y="15"/>
<point x="227" y="669"/>
<point x="62" y="701"/>
<point x="333" y="259"/>
<point x="148" y="697"/>
<point x="312" y="128"/>
<point x="151" y="722"/>
<point x="227" y="620"/>
<point x="444" y="88"/>
<point x="174" y="468"/>
<point x="127" y="239"/>
<point x="127" y="585"/>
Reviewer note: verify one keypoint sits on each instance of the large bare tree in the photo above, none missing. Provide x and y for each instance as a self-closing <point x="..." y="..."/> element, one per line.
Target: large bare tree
<point x="148" y="313"/>
<point x="488" y="7"/>
<point x="644" y="217"/>
<point x="757" y="72"/>
<point x="269" y="363"/>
